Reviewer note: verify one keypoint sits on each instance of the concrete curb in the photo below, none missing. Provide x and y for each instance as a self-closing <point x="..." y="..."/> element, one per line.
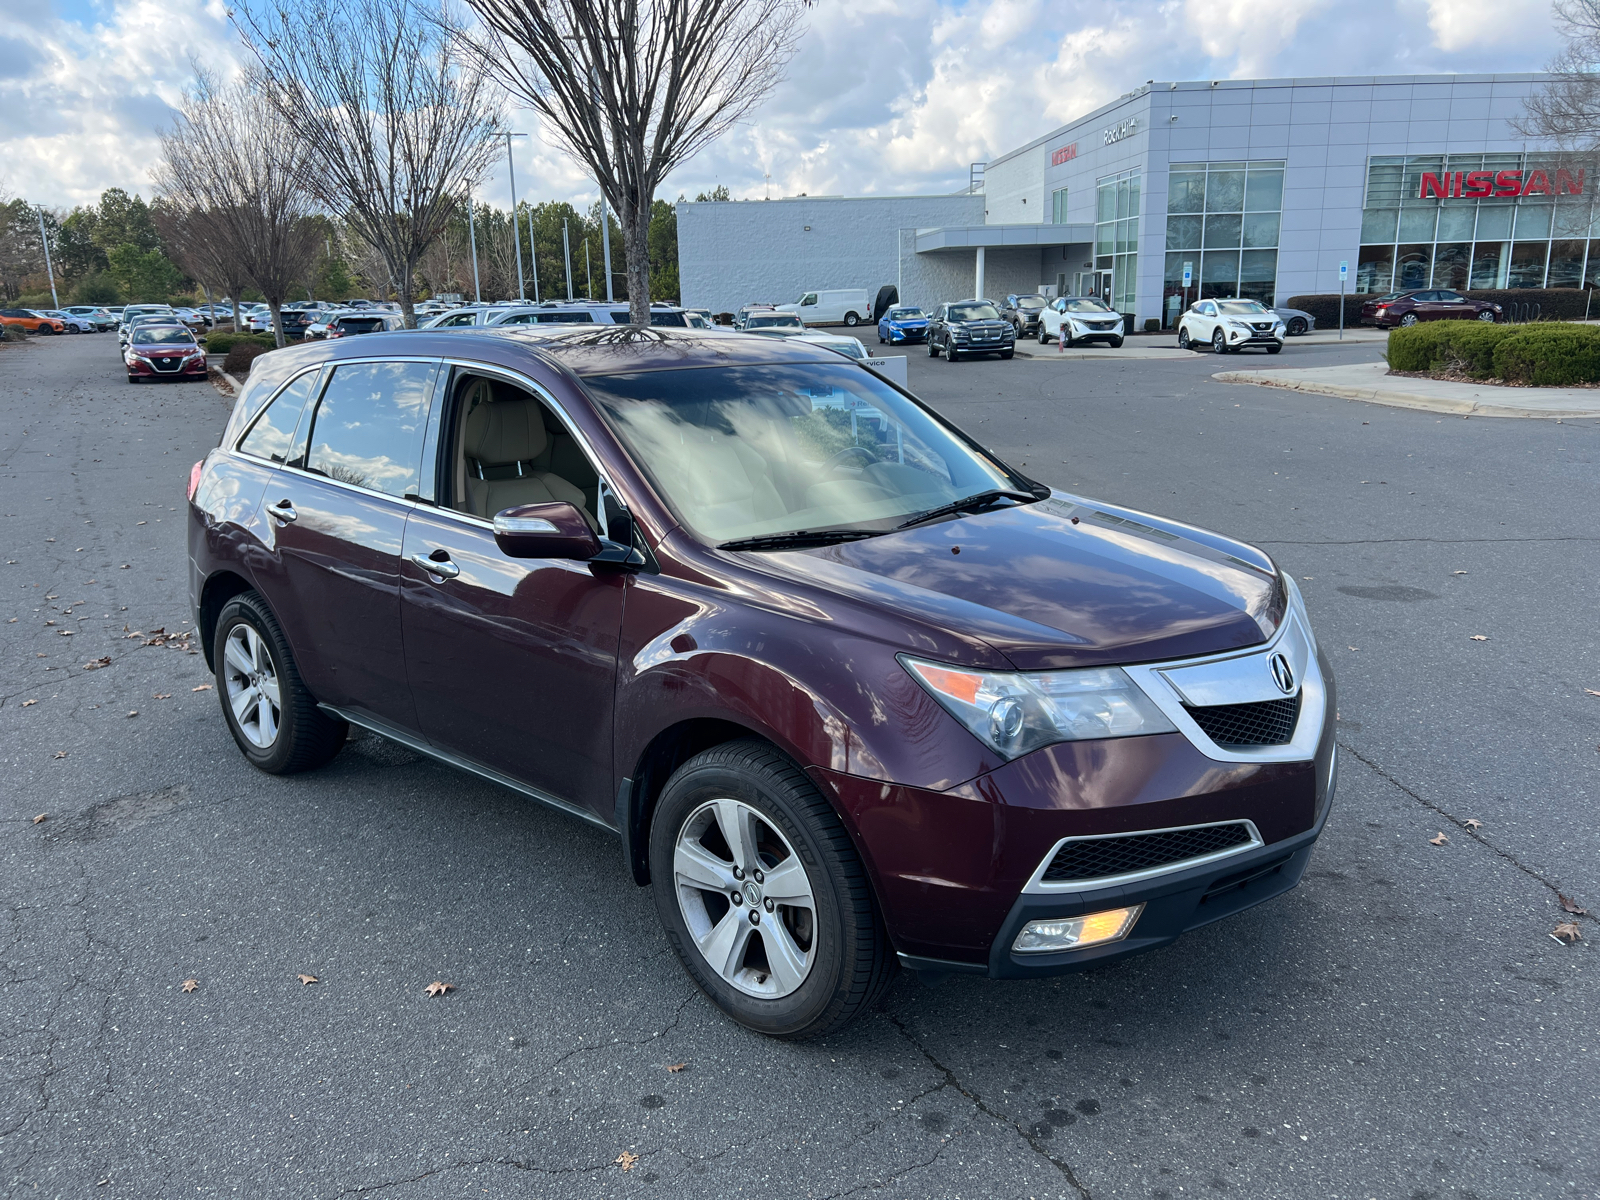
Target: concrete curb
<point x="1424" y="394"/>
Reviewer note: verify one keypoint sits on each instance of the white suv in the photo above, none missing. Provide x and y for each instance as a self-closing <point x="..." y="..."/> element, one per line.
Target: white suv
<point x="1075" y="319"/>
<point x="1228" y="326"/>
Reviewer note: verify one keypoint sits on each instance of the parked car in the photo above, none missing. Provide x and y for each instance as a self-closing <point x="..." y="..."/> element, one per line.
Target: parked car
<point x="963" y="328"/>
<point x="101" y="319"/>
<point x="132" y="311"/>
<point x="740" y="317"/>
<point x="903" y="324"/>
<point x="69" y="322"/>
<point x="1079" y="319"/>
<point x="1407" y="308"/>
<point x="192" y="317"/>
<point x="1023" y="312"/>
<point x="614" y="576"/>
<point x="24" y="318"/>
<point x="216" y="313"/>
<point x="129" y="324"/>
<point x="773" y="322"/>
<point x="164" y="352"/>
<point x="837" y="342"/>
<point x="1229" y="326"/>
<point x="1296" y="321"/>
<point x="366" y="320"/>
<point x="831" y="306"/>
<point x="699" y="318"/>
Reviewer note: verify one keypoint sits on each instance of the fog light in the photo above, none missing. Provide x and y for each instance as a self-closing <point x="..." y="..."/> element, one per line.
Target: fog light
<point x="1076" y="933"/>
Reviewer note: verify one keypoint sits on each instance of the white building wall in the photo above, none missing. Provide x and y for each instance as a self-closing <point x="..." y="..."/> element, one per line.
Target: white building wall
<point x="733" y="252"/>
<point x="1013" y="187"/>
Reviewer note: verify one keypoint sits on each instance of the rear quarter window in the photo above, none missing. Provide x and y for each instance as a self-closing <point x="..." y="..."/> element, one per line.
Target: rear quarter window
<point x="272" y="436"/>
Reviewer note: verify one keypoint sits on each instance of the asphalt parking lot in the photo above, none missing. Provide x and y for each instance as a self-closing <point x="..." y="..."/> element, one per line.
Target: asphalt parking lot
<point x="1401" y="1025"/>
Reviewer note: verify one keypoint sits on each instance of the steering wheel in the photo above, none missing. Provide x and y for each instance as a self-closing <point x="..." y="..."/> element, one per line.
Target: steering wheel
<point x="835" y="461"/>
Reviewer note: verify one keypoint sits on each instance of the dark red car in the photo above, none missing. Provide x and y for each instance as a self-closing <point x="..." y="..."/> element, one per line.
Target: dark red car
<point x="163" y="352"/>
<point x="1440" y="304"/>
<point x="852" y="691"/>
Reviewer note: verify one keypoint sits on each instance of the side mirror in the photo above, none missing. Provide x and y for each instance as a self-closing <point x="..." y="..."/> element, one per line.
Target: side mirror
<point x="555" y="530"/>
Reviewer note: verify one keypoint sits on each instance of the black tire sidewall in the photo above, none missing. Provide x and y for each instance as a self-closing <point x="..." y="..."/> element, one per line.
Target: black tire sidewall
<point x="706" y="779"/>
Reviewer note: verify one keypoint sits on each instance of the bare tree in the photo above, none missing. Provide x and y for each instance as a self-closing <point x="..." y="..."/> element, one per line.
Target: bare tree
<point x="223" y="164"/>
<point x="635" y="88"/>
<point x="397" y="132"/>
<point x="201" y="246"/>
<point x="1567" y="109"/>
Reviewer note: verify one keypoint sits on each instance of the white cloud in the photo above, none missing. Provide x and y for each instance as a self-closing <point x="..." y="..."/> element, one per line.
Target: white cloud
<point x="884" y="96"/>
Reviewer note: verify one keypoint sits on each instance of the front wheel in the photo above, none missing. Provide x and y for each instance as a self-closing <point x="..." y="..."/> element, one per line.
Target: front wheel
<point x="1219" y="342"/>
<point x="1007" y="353"/>
<point x="762" y="894"/>
<point x="1116" y="343"/>
<point x="933" y="348"/>
<point x="1486" y="316"/>
<point x="271" y="715"/>
<point x="950" y="355"/>
<point x="1275" y="349"/>
<point x="1183" y="338"/>
<point x="1044" y="338"/>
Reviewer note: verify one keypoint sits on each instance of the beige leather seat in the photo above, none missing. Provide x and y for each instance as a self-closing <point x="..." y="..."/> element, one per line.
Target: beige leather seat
<point x="499" y="442"/>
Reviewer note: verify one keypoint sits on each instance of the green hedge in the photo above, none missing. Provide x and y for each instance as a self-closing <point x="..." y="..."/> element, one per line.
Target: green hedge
<point x="221" y="343"/>
<point x="1555" y="304"/>
<point x="1542" y="355"/>
<point x="242" y="354"/>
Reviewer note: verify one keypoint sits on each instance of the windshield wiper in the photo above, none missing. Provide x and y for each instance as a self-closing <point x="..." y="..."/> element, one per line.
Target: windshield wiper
<point x="980" y="500"/>
<point x="799" y="539"/>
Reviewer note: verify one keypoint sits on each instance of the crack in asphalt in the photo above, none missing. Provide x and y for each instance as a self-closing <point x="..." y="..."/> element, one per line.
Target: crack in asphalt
<point x="954" y="1081"/>
<point x="1461" y="824"/>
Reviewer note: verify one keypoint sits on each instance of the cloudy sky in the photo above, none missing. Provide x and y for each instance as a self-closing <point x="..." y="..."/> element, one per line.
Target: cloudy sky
<point x="884" y="96"/>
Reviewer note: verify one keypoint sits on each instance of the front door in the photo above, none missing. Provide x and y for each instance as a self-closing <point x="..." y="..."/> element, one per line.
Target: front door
<point x="1104" y="291"/>
<point x="339" y="520"/>
<point x="513" y="662"/>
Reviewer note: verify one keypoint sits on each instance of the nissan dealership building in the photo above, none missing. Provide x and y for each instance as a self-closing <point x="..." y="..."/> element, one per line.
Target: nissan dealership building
<point x="1258" y="187"/>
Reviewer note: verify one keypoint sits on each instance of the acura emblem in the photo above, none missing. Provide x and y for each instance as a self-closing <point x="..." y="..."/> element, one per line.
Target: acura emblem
<point x="1282" y="674"/>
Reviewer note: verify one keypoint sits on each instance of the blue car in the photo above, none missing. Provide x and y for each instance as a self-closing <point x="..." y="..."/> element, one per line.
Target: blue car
<point x="901" y="325"/>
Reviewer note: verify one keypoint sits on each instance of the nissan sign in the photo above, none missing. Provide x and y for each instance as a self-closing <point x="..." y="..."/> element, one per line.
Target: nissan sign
<point x="1064" y="154"/>
<point x="1473" y="185"/>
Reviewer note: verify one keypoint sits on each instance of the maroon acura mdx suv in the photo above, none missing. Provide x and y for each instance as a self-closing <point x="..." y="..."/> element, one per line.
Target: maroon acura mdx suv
<point x="853" y="692"/>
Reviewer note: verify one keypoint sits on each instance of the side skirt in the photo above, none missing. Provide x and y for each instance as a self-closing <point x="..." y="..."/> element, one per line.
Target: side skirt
<point x="410" y="742"/>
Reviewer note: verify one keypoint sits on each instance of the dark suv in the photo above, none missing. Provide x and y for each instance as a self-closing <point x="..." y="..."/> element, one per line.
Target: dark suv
<point x="963" y="328"/>
<point x="766" y="617"/>
<point x="1023" y="312"/>
<point x="1407" y="308"/>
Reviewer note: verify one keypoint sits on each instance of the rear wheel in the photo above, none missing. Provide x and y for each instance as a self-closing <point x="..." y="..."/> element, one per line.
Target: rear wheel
<point x="762" y="894"/>
<point x="1408" y="320"/>
<point x="852" y="320"/>
<point x="271" y="715"/>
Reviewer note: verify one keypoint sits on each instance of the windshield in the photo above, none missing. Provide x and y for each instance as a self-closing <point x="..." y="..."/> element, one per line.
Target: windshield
<point x="906" y="314"/>
<point x="759" y="450"/>
<point x="983" y="311"/>
<point x="1084" y="306"/>
<point x="1240" y="308"/>
<point x="161" y="336"/>
<point x="848" y="347"/>
<point x="773" y="321"/>
<point x="1034" y="301"/>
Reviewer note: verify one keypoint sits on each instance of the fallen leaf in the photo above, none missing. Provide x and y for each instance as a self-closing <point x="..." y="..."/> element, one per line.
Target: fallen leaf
<point x="64" y="632"/>
<point x="204" y="687"/>
<point x="627" y="1160"/>
<point x="676" y="1067"/>
<point x="308" y="980"/>
<point x="103" y="661"/>
<point x="141" y="522"/>
<point x="1353" y="648"/>
<point x="123" y="567"/>
<point x="1438" y="841"/>
<point x="29" y="703"/>
<point x="1590" y="692"/>
<point x="134" y="712"/>
<point x="191" y="985"/>
<point x="1567" y="932"/>
<point x="1571" y="905"/>
<point x="1478" y="637"/>
<point x="162" y="695"/>
<point x="42" y="816"/>
<point x="1473" y="823"/>
<point x="1458" y="572"/>
<point x="61" y="753"/>
<point x="439" y="988"/>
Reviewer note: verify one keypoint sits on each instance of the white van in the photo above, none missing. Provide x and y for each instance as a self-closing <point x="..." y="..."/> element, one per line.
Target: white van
<point x="838" y="306"/>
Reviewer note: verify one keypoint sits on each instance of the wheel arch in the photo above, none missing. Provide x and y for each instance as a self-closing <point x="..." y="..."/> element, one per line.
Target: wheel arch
<point x="219" y="588"/>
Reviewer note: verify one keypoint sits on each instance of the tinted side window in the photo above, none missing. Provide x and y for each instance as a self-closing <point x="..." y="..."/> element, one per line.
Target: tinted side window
<point x="272" y="434"/>
<point x="368" y="430"/>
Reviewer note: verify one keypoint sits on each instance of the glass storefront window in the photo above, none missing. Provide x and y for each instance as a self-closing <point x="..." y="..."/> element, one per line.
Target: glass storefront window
<point x="1225" y="191"/>
<point x="1455" y="224"/>
<point x="1527" y="264"/>
<point x="1116" y="235"/>
<point x="1451" y="263"/>
<point x="1487" y="260"/>
<point x="1219" y="275"/>
<point x="1416" y="225"/>
<point x="1183" y="233"/>
<point x="1261" y="229"/>
<point x="1377" y="224"/>
<point x="1533" y="221"/>
<point x="1106" y="203"/>
<point x="1412" y="265"/>
<point x="1263" y="191"/>
<point x="1374" y="268"/>
<point x="1566" y="265"/>
<point x="1494" y="222"/>
<point x="1186" y="190"/>
<point x="1258" y="275"/>
<point x="1222" y="232"/>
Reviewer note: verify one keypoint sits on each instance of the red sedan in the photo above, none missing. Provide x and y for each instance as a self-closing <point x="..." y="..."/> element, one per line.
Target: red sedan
<point x="1407" y="308"/>
<point x="164" y="352"/>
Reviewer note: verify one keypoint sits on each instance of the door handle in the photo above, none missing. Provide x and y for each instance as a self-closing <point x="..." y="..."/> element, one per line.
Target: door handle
<point x="437" y="566"/>
<point x="284" y="511"/>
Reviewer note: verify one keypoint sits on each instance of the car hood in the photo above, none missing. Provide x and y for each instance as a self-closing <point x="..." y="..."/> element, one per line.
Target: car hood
<point x="1064" y="582"/>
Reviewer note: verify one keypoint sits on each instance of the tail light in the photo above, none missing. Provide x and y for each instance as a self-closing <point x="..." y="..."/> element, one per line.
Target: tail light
<point x="194" y="477"/>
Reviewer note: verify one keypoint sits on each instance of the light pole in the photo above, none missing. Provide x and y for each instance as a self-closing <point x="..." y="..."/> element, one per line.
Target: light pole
<point x="516" y="232"/>
<point x="472" y="240"/>
<point x="588" y="272"/>
<point x="566" y="252"/>
<point x="44" y="241"/>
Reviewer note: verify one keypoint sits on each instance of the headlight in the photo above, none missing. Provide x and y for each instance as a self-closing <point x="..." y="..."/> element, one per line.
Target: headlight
<point x="1014" y="713"/>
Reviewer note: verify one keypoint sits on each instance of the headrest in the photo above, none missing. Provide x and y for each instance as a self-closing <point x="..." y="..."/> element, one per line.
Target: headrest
<point x="503" y="431"/>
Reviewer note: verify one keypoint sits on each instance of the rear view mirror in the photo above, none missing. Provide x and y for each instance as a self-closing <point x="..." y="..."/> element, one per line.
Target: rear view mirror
<point x="555" y="530"/>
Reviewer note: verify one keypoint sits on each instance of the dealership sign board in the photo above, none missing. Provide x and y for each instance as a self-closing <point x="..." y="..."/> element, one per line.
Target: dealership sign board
<point x="1064" y="154"/>
<point x="1120" y="130"/>
<point x="1470" y="185"/>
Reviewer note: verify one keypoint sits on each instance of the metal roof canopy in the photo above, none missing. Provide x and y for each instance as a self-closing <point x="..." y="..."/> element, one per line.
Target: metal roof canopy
<point x="999" y="237"/>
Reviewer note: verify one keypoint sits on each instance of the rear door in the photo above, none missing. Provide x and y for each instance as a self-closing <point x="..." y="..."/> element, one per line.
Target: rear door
<point x="338" y="512"/>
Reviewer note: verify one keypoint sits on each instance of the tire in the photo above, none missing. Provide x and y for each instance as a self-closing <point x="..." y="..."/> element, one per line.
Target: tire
<point x="1044" y="338"/>
<point x="1007" y="353"/>
<point x="1274" y="349"/>
<point x="852" y="320"/>
<point x="1408" y="320"/>
<point x="933" y="348"/>
<point x="133" y="379"/>
<point x="1116" y="343"/>
<point x="1297" y="326"/>
<point x="838" y="952"/>
<point x="1486" y="316"/>
<point x="1219" y="341"/>
<point x="1183" y="338"/>
<point x="950" y="354"/>
<point x="880" y="339"/>
<point x="249" y="646"/>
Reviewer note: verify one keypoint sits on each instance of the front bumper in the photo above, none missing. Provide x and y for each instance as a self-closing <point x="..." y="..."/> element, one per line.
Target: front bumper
<point x="192" y="369"/>
<point x="908" y="335"/>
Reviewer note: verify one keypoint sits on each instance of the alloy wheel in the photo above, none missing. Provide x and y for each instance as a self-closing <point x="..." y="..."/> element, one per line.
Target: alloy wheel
<point x="253" y="692"/>
<point x="1409" y="319"/>
<point x="1183" y="337"/>
<point x="746" y="899"/>
<point x="1219" y="342"/>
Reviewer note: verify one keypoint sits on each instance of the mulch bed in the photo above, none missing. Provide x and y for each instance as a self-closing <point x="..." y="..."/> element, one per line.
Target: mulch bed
<point x="1459" y="377"/>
